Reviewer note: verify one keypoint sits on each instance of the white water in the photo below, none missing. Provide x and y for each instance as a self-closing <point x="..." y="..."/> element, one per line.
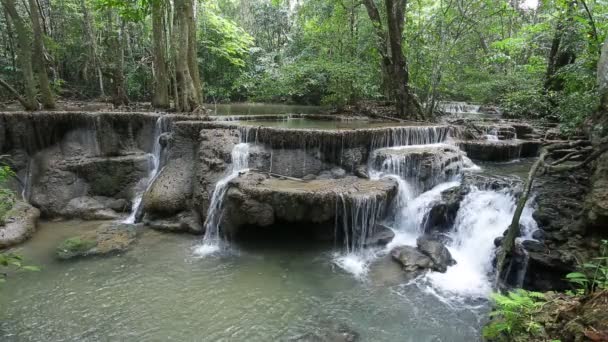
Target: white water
<point x="483" y="216"/>
<point x="458" y="107"/>
<point x="212" y="241"/>
<point x="144" y="184"/>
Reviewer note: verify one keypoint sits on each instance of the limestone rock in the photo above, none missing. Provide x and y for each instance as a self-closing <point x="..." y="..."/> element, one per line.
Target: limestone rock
<point x="171" y="190"/>
<point x="411" y="258"/>
<point x="108" y="239"/>
<point x="426" y="165"/>
<point x="382" y="236"/>
<point x="256" y="199"/>
<point x="184" y="222"/>
<point x="442" y="258"/>
<point x="19" y="224"/>
<point x="95" y="208"/>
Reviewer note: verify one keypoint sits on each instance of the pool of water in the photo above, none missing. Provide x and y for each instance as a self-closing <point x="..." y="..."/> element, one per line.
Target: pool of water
<point x="160" y="291"/>
<point x="303" y="123"/>
<point x="260" y="108"/>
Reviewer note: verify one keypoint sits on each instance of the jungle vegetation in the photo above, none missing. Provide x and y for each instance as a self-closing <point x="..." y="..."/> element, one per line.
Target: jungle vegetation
<point x="534" y="59"/>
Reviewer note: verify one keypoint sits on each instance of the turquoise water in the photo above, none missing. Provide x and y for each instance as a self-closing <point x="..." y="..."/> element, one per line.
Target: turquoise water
<point x="159" y="291"/>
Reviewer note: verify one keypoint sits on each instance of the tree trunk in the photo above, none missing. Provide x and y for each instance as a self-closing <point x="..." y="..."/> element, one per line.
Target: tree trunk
<point x="160" y="97"/>
<point x="560" y="54"/>
<point x="25" y="55"/>
<point x="48" y="101"/>
<point x="186" y="98"/>
<point x="117" y="50"/>
<point x="394" y="63"/>
<point x="92" y="45"/>
<point x="192" y="53"/>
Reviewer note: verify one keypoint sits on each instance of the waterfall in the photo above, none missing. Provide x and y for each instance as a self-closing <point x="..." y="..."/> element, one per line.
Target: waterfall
<point x="212" y="240"/>
<point x="458" y="107"/>
<point x="483" y="216"/>
<point x="155" y="163"/>
<point x="423" y="166"/>
<point x="409" y="135"/>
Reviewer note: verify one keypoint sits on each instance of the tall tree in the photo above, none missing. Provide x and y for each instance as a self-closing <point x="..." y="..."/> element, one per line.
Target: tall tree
<point x="394" y="63"/>
<point x="25" y="55"/>
<point x="187" y="96"/>
<point x="48" y="101"/>
<point x="92" y="42"/>
<point x="160" y="97"/>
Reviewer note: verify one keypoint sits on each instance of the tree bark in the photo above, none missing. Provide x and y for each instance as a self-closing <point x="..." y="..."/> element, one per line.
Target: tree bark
<point x="92" y="45"/>
<point x="25" y="55"/>
<point x="48" y="101"/>
<point x="160" y="97"/>
<point x="560" y="54"/>
<point x="394" y="63"/>
<point x="186" y="98"/>
<point x="192" y="53"/>
<point x="117" y="55"/>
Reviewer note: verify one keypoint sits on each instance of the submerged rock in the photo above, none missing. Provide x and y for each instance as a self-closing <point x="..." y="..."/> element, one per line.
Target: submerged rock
<point x="329" y="332"/>
<point x="107" y="239"/>
<point x="19" y="224"/>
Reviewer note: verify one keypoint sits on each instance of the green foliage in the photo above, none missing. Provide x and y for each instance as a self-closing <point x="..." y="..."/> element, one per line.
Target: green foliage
<point x="12" y="262"/>
<point x="7" y="197"/>
<point x="514" y="314"/>
<point x="592" y="276"/>
<point x="225" y="50"/>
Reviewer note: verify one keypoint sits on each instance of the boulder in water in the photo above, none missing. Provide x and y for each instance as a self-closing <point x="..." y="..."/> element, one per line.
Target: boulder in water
<point x="19" y="224"/>
<point x="429" y="254"/>
<point x="441" y="256"/>
<point x="108" y="239"/>
<point x="412" y="259"/>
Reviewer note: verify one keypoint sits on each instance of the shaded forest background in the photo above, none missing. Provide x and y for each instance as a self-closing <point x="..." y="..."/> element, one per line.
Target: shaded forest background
<point x="533" y="61"/>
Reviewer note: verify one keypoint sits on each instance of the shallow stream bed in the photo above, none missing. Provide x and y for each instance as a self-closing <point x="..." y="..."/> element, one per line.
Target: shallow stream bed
<point x="160" y="291"/>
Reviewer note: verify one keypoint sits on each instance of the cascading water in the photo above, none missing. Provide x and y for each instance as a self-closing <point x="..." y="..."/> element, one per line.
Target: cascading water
<point x="155" y="164"/>
<point x="483" y="216"/>
<point x="458" y="107"/>
<point x="212" y="240"/>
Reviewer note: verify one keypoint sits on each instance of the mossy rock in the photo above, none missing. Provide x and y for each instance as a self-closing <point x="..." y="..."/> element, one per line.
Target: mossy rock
<point x="107" y="239"/>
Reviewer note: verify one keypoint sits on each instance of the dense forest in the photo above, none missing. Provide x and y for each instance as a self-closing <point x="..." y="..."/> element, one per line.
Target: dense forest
<point x="532" y="59"/>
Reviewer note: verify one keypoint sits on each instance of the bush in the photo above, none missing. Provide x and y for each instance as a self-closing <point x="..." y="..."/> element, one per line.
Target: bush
<point x="514" y="315"/>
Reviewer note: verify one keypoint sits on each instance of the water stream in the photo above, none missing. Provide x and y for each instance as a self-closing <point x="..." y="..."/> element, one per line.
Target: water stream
<point x="212" y="241"/>
<point x="155" y="166"/>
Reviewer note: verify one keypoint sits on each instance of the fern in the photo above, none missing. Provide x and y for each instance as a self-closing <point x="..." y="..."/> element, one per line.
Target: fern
<point x="514" y="314"/>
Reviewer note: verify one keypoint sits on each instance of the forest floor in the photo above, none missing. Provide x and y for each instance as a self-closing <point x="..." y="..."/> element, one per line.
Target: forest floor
<point x="565" y="317"/>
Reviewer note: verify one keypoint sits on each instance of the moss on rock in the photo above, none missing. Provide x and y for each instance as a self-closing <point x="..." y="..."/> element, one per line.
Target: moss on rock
<point x="107" y="239"/>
